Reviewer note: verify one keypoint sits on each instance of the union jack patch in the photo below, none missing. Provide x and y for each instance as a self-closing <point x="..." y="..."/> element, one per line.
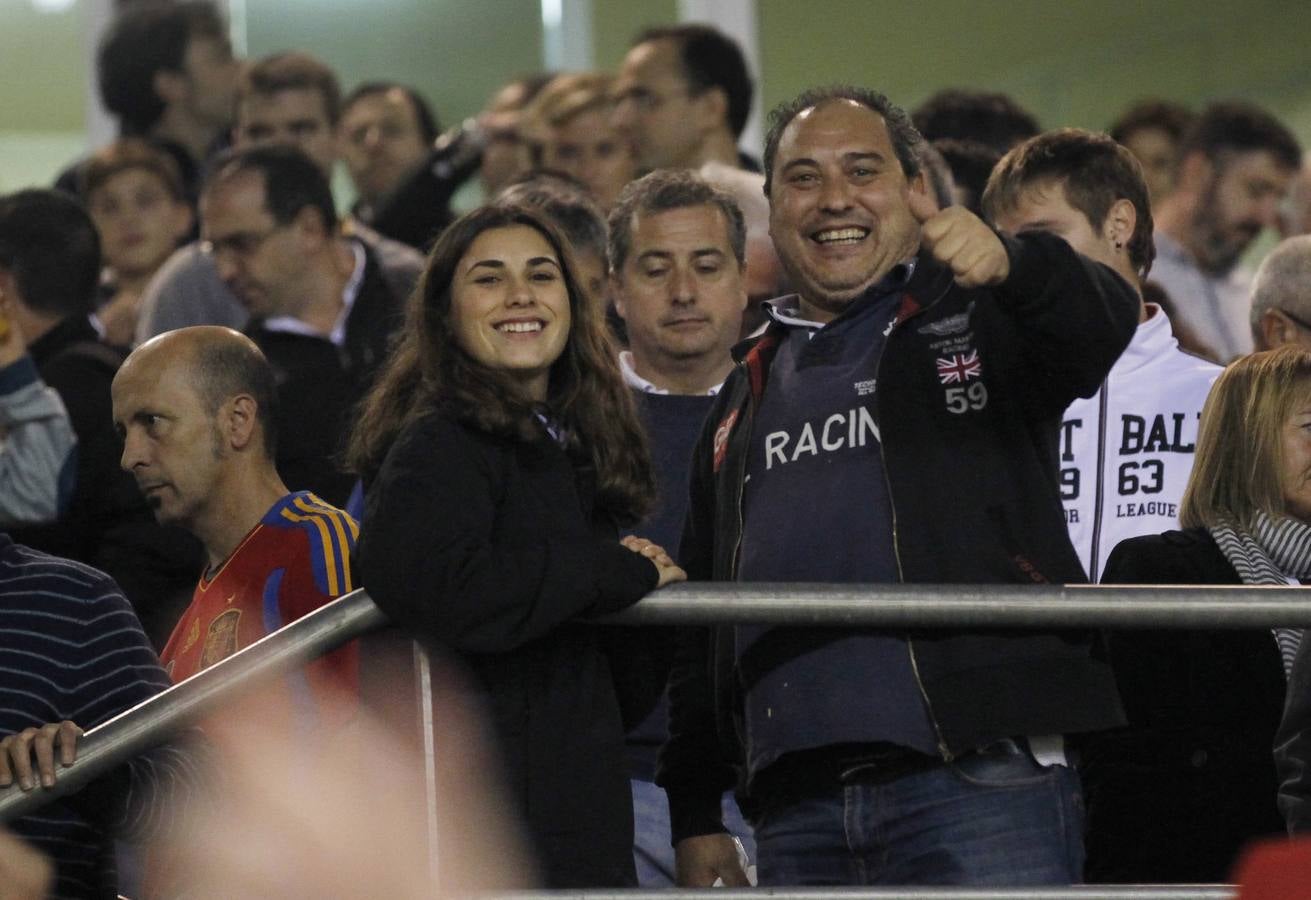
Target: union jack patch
<point x="958" y="368"/>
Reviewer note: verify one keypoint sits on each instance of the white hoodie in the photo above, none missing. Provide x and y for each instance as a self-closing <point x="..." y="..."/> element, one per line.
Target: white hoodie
<point x="1126" y="452"/>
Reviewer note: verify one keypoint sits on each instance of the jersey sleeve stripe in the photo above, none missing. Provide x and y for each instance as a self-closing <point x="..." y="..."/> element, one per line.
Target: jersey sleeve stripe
<point x="327" y="554"/>
<point x="344" y="527"/>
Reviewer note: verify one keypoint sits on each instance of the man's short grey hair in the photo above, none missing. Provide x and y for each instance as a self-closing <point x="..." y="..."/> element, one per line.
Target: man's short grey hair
<point x="668" y="189"/>
<point x="1283" y="282"/>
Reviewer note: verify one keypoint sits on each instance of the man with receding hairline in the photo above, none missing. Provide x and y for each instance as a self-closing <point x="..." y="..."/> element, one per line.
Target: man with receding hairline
<point x="322" y="309"/>
<point x="195" y="409"/>
<point x="895" y="421"/>
<point x="682" y="96"/>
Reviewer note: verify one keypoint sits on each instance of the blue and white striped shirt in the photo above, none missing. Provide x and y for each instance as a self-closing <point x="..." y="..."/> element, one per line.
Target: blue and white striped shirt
<point x="71" y="648"/>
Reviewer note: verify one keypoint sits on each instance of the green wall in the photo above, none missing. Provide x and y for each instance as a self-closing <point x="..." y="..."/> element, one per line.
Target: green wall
<point x="456" y="53"/>
<point x="42" y="109"/>
<point x="615" y="23"/>
<point x="1071" y="63"/>
<point x="42" y="72"/>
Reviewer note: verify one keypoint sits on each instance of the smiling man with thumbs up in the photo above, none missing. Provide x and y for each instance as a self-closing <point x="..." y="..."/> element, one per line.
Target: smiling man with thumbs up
<point x="895" y="421"/>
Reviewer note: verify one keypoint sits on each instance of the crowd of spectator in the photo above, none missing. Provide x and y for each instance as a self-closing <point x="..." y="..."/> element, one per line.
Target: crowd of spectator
<point x="946" y="345"/>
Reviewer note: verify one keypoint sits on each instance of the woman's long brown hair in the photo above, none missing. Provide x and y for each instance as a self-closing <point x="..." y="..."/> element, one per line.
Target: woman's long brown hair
<point x="429" y="371"/>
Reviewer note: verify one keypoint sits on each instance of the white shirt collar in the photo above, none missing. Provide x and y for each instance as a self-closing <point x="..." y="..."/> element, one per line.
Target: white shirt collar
<point x="293" y="325"/>
<point x="786" y="309"/>
<point x="638" y="383"/>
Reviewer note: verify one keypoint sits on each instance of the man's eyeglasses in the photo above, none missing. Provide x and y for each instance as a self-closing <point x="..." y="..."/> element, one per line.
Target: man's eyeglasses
<point x="243" y="243"/>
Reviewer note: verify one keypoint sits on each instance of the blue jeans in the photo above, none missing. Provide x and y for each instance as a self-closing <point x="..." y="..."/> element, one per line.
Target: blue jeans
<point x="652" y="851"/>
<point x="983" y="820"/>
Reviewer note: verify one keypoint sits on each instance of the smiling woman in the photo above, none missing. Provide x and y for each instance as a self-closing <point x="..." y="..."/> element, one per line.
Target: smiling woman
<point x="500" y="452"/>
<point x="510" y="306"/>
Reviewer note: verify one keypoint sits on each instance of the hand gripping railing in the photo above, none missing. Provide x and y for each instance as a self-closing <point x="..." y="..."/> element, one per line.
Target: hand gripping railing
<point x="153" y="721"/>
<point x="884" y="605"/>
<point x="890" y="606"/>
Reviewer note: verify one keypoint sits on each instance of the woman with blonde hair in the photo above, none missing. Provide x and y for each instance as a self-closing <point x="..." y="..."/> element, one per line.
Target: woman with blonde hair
<point x="1174" y="797"/>
<point x="568" y="130"/>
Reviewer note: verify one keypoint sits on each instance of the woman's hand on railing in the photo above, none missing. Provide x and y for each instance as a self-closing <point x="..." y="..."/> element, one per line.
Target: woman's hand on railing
<point x="18" y="750"/>
<point x="664" y="563"/>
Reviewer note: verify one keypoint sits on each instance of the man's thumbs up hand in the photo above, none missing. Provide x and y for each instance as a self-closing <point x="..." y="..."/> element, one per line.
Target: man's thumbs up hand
<point x="959" y="240"/>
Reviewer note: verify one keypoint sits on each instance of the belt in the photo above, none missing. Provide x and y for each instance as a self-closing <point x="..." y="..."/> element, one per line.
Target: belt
<point x="820" y="771"/>
<point x="885" y="763"/>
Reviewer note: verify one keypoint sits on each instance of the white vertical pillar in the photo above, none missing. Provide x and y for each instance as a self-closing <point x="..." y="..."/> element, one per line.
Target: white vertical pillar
<point x="740" y="21"/>
<point x="237" y="30"/>
<point x="567" y="35"/>
<point x="100" y="125"/>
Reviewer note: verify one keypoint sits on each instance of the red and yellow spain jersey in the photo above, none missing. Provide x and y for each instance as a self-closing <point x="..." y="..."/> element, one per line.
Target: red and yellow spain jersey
<point x="293" y="561"/>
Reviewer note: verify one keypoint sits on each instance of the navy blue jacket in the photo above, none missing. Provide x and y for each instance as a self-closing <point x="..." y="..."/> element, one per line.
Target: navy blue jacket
<point x="971" y="461"/>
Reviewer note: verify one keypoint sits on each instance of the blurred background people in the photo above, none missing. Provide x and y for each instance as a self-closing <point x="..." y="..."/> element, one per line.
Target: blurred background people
<point x="1281" y="296"/>
<point x="285" y="99"/>
<point x="384" y="135"/>
<point x="1235" y="166"/>
<point x="49" y="272"/>
<point x="37" y="444"/>
<point x="504" y="154"/>
<point x="322" y="310"/>
<point x="970" y="162"/>
<point x="568" y="130"/>
<point x="993" y="119"/>
<point x="280" y="833"/>
<point x="491" y="146"/>
<point x="1153" y="131"/>
<point x="971" y="130"/>
<point x="136" y="199"/>
<point x="683" y="96"/>
<point x="1295" y="213"/>
<point x="1175" y="795"/>
<point x="166" y="71"/>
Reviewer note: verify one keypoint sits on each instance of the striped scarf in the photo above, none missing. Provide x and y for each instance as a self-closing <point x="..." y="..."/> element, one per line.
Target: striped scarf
<point x="1274" y="550"/>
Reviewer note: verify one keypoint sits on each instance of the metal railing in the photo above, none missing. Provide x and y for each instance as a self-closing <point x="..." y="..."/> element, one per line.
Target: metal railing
<point x="1079" y="892"/>
<point x="885" y="605"/>
<point x="888" y="606"/>
<point x="153" y="721"/>
<point x="972" y="606"/>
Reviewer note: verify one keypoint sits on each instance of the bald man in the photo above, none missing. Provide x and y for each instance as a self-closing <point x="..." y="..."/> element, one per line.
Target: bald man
<point x="195" y="408"/>
<point x="1281" y="305"/>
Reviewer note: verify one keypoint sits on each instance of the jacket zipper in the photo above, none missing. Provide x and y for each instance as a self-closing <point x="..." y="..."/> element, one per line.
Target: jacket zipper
<point x="1100" y="492"/>
<point x="896" y="556"/>
<point x="749" y="415"/>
